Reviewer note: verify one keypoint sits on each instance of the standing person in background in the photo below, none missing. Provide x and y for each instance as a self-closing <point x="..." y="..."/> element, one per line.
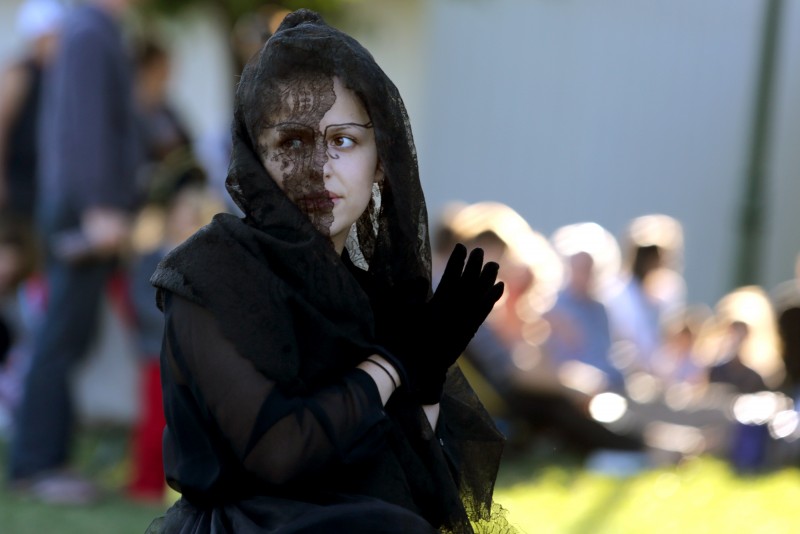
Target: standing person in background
<point x="89" y="157"/>
<point x="165" y="136"/>
<point x="38" y="24"/>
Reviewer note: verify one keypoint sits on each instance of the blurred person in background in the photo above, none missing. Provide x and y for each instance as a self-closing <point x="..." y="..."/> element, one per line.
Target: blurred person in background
<point x="786" y="303"/>
<point x="507" y="358"/>
<point x="180" y="200"/>
<point x="19" y="260"/>
<point x="38" y="25"/>
<point x="579" y="326"/>
<point x="744" y="332"/>
<point x="166" y="140"/>
<point x="635" y="316"/>
<point x="748" y="443"/>
<point x="187" y="204"/>
<point x="676" y="361"/>
<point x="649" y="288"/>
<point x="90" y="154"/>
<point x="741" y="345"/>
<point x="729" y="368"/>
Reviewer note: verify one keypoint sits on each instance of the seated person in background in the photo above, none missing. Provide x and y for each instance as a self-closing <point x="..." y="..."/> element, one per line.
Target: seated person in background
<point x="187" y="204"/>
<point x="508" y="351"/>
<point x="730" y="369"/>
<point x="786" y="303"/>
<point x="580" y="335"/>
<point x="676" y="361"/>
<point x="748" y="442"/>
<point x="650" y="287"/>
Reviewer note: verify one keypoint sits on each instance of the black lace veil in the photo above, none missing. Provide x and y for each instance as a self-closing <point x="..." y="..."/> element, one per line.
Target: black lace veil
<point x="391" y="238"/>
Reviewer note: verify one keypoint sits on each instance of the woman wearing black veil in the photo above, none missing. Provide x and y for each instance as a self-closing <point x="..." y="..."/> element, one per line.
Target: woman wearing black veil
<point x="307" y="365"/>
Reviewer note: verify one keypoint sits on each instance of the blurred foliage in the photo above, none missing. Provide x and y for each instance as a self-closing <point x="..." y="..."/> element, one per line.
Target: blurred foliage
<point x="234" y="9"/>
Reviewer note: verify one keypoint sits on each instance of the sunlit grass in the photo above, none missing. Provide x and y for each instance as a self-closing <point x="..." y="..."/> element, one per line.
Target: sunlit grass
<point x="542" y="493"/>
<point x="699" y="496"/>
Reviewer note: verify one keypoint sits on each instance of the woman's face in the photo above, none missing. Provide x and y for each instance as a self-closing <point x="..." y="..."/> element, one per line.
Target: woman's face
<point x="319" y="146"/>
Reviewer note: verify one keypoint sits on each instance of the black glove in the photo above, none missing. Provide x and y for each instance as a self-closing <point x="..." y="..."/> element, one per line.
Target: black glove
<point x="425" y="340"/>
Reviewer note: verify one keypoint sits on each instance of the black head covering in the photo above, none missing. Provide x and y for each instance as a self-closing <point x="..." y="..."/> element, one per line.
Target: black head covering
<point x="391" y="240"/>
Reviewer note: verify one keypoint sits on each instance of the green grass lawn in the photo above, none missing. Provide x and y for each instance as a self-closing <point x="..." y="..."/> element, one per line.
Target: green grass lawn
<point x="102" y="455"/>
<point x="699" y="496"/>
<point x="542" y="494"/>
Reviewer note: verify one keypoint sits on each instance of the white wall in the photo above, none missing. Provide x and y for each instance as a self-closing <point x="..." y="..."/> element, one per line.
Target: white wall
<point x="576" y="110"/>
<point x="397" y="34"/>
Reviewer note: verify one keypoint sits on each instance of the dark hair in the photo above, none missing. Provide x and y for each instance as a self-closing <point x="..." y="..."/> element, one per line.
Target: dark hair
<point x="644" y="258"/>
<point x="179" y="173"/>
<point x="148" y="52"/>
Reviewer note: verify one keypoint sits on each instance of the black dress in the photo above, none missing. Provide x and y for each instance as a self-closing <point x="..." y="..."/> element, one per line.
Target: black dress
<point x="254" y="445"/>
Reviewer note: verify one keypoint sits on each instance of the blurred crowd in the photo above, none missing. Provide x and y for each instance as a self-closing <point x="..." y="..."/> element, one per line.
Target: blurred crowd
<point x="593" y="348"/>
<point x="99" y="179"/>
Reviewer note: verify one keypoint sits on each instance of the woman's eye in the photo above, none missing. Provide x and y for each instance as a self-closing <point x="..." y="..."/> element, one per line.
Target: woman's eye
<point x="292" y="143"/>
<point x="342" y="142"/>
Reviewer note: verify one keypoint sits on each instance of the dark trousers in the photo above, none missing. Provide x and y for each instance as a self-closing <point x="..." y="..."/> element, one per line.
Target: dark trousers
<point x="42" y="430"/>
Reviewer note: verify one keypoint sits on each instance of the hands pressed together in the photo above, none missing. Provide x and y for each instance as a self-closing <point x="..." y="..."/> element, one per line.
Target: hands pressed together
<point x="423" y="341"/>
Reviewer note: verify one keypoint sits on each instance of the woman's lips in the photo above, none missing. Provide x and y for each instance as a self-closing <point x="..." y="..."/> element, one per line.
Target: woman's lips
<point x="316" y="203"/>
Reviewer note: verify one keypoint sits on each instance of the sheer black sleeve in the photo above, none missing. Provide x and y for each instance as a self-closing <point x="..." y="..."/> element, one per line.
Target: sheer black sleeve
<point x="277" y="437"/>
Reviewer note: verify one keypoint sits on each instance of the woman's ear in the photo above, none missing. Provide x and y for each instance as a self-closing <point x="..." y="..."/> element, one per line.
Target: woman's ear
<point x="379" y="174"/>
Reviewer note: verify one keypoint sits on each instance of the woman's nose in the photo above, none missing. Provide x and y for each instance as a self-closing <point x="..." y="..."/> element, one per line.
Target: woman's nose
<point x="322" y="160"/>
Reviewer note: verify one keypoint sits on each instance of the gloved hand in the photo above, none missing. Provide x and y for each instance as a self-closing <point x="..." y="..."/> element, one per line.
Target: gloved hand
<point x="429" y="339"/>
